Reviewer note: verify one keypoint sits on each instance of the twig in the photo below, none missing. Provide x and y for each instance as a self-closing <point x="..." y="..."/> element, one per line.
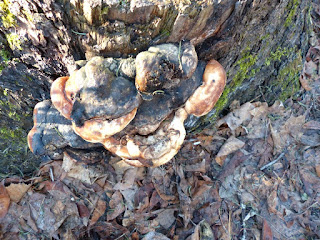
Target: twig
<point x="225" y="229"/>
<point x="79" y="33"/>
<point x="179" y="56"/>
<point x="273" y="162"/>
<point x="51" y="174"/>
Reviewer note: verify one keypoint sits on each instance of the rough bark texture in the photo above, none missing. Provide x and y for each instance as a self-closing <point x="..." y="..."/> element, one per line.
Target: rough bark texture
<point x="261" y="44"/>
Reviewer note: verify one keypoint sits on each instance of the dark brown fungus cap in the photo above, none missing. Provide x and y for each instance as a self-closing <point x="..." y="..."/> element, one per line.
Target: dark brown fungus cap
<point x="34" y="136"/>
<point x="164" y="66"/>
<point x="103" y="95"/>
<point x="52" y="132"/>
<point x="151" y="113"/>
<point x="152" y="150"/>
<point x="205" y="97"/>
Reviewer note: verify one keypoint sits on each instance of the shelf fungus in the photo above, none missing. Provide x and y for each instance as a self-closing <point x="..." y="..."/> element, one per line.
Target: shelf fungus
<point x="135" y="108"/>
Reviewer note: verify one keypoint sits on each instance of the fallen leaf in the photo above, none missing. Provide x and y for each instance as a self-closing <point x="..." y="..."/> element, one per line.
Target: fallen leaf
<point x="234" y="162"/>
<point x="17" y="190"/>
<point x="135" y="236"/>
<point x="142" y="196"/>
<point x="266" y="231"/>
<point x="166" y="218"/>
<point x="198" y="167"/>
<point x="4" y="201"/>
<point x="155" y="236"/>
<point x="83" y="210"/>
<point x="231" y="145"/>
<point x="162" y="184"/>
<point x="99" y="210"/>
<point x="272" y="201"/>
<point x="111" y="230"/>
<point x="116" y="206"/>
<point x="81" y="171"/>
<point x="127" y="180"/>
<point x="318" y="170"/>
<point x="312" y="125"/>
<point x="238" y="116"/>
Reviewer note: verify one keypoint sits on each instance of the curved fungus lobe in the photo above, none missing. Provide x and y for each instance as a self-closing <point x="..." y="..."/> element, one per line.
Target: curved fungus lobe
<point x="163" y="66"/>
<point x="34" y="136"/>
<point x="155" y="149"/>
<point x="97" y="130"/>
<point x="74" y="84"/>
<point x="59" y="98"/>
<point x="103" y="95"/>
<point x="205" y="97"/>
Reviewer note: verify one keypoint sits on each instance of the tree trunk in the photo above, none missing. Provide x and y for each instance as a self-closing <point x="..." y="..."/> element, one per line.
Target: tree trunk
<point x="261" y="44"/>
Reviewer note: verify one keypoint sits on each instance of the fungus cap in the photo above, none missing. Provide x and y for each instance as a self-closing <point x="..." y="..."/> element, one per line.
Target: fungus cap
<point x="103" y="95"/>
<point x="34" y="136"/>
<point x="205" y="97"/>
<point x="59" y="98"/>
<point x="97" y="130"/>
<point x="164" y="65"/>
<point x="155" y="149"/>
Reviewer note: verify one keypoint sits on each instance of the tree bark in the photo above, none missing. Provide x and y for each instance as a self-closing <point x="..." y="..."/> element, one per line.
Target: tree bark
<point x="261" y="44"/>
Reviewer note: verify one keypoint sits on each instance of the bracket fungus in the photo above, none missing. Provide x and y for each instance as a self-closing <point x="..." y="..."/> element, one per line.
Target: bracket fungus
<point x="135" y="108"/>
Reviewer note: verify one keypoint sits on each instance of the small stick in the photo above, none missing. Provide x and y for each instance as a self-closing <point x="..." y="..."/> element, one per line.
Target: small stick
<point x="51" y="174"/>
<point x="273" y="162"/>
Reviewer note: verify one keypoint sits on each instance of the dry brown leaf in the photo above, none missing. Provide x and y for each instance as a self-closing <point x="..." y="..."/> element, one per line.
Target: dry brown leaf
<point x="166" y="218"/>
<point x="155" y="236"/>
<point x="312" y="125"/>
<point x="111" y="230"/>
<point x="318" y="170"/>
<point x="83" y="210"/>
<point x="142" y="196"/>
<point x="116" y="206"/>
<point x="99" y="210"/>
<point x="272" y="201"/>
<point x="238" y="116"/>
<point x="231" y="145"/>
<point x="4" y="201"/>
<point x="135" y="236"/>
<point x="127" y="179"/>
<point x="197" y="167"/>
<point x="162" y="183"/>
<point x="81" y="171"/>
<point x="17" y="190"/>
<point x="266" y="231"/>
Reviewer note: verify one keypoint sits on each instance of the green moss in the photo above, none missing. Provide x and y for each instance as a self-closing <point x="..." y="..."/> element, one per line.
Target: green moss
<point x="13" y="41"/>
<point x="5" y="58"/>
<point x="14" y="149"/>
<point x="245" y="71"/>
<point x="288" y="78"/>
<point x="8" y="19"/>
<point x="278" y="54"/>
<point x="9" y="109"/>
<point x="292" y="8"/>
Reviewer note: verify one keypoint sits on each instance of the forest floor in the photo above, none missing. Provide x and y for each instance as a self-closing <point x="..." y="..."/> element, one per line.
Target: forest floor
<point x="254" y="175"/>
